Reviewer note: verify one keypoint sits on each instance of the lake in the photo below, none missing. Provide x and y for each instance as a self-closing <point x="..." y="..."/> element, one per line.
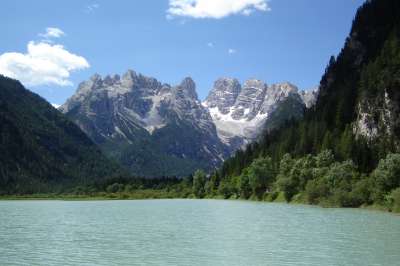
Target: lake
<point x="193" y="232"/>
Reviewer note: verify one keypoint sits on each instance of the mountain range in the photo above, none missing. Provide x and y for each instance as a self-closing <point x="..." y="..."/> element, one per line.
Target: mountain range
<point x="116" y="127"/>
<point x="155" y="129"/>
<point x="241" y="113"/>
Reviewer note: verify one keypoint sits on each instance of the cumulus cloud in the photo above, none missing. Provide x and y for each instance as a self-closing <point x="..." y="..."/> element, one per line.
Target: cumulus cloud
<point x="210" y="44"/>
<point x="232" y="51"/>
<point x="214" y="8"/>
<point x="52" y="33"/>
<point x="43" y="64"/>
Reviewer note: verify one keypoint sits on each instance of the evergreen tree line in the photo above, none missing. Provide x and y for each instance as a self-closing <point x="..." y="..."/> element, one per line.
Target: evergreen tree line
<point x="366" y="71"/>
<point x="359" y="168"/>
<point x="318" y="179"/>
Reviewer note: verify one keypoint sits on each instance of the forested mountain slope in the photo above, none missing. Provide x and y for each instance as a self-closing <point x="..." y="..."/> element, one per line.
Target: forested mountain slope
<point x="345" y="151"/>
<point x="357" y="111"/>
<point x="41" y="150"/>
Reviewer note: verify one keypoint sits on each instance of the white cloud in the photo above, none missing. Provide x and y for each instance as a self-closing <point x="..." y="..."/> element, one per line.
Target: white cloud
<point x="42" y="64"/>
<point x="232" y="51"/>
<point x="214" y="8"/>
<point x="247" y="11"/>
<point x="52" y="33"/>
<point x="55" y="105"/>
<point x="210" y="44"/>
<point x="92" y="7"/>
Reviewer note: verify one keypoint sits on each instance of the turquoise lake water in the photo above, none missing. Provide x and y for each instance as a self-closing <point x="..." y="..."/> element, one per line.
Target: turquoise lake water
<point x="193" y="232"/>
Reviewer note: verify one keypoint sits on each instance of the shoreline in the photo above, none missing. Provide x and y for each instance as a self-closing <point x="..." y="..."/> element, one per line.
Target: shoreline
<point x="73" y="197"/>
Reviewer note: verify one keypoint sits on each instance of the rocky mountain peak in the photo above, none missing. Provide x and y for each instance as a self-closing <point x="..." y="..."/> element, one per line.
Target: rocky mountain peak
<point x="129" y="74"/>
<point x="95" y="77"/>
<point x="310" y="96"/>
<point x="134" y="108"/>
<point x="249" y="99"/>
<point x="254" y="83"/>
<point x="148" y="118"/>
<point x="187" y="88"/>
<point x="241" y="113"/>
<point x="129" y="78"/>
<point x="286" y="87"/>
<point x="224" y="94"/>
<point x="277" y="93"/>
<point x="111" y="80"/>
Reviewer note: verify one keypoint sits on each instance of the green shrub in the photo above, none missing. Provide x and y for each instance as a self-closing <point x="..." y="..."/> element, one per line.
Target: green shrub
<point x="395" y="200"/>
<point x="225" y="189"/>
<point x="244" y="185"/>
<point x="288" y="186"/>
<point x="386" y="176"/>
<point x="361" y="193"/>
<point x="324" y="158"/>
<point x="261" y="174"/>
<point x="114" y="188"/>
<point x="199" y="182"/>
<point x="316" y="190"/>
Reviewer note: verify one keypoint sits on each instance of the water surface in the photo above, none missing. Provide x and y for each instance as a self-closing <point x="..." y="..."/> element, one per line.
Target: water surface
<point x="193" y="232"/>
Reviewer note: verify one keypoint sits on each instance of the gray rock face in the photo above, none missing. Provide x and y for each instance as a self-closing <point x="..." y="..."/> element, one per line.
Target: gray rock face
<point x="156" y="129"/>
<point x="122" y="114"/>
<point x="310" y="97"/>
<point x="277" y="93"/>
<point x="249" y="100"/>
<point x="224" y="94"/>
<point x="240" y="120"/>
<point x="376" y="119"/>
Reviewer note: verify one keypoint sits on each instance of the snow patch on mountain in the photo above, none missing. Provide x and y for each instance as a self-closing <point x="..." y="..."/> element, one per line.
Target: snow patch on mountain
<point x="130" y="113"/>
<point x="242" y="112"/>
<point x="134" y="109"/>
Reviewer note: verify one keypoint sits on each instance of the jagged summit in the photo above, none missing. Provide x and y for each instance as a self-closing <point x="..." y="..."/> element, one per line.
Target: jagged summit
<point x="134" y="117"/>
<point x="123" y="113"/>
<point x="188" y="88"/>
<point x="242" y="111"/>
<point x="95" y="77"/>
<point x="224" y="94"/>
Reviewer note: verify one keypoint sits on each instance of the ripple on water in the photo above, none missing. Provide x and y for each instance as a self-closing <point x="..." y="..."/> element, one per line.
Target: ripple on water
<point x="193" y="232"/>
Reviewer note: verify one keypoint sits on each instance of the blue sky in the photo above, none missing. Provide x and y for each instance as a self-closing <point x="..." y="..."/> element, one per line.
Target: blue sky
<point x="277" y="40"/>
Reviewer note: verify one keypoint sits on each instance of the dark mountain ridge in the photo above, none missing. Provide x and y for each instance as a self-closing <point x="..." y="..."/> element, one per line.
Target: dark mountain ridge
<point x="41" y="149"/>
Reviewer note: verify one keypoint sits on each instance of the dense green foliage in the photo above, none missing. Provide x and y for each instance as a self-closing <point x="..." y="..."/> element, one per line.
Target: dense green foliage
<point x="120" y="188"/>
<point x="199" y="182"/>
<point x="318" y="179"/>
<point x="40" y="149"/>
<point x="363" y="78"/>
<point x="343" y="152"/>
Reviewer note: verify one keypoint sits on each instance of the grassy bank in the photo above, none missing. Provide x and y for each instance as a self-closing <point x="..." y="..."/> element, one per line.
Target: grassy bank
<point x="145" y="194"/>
<point x="134" y="195"/>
